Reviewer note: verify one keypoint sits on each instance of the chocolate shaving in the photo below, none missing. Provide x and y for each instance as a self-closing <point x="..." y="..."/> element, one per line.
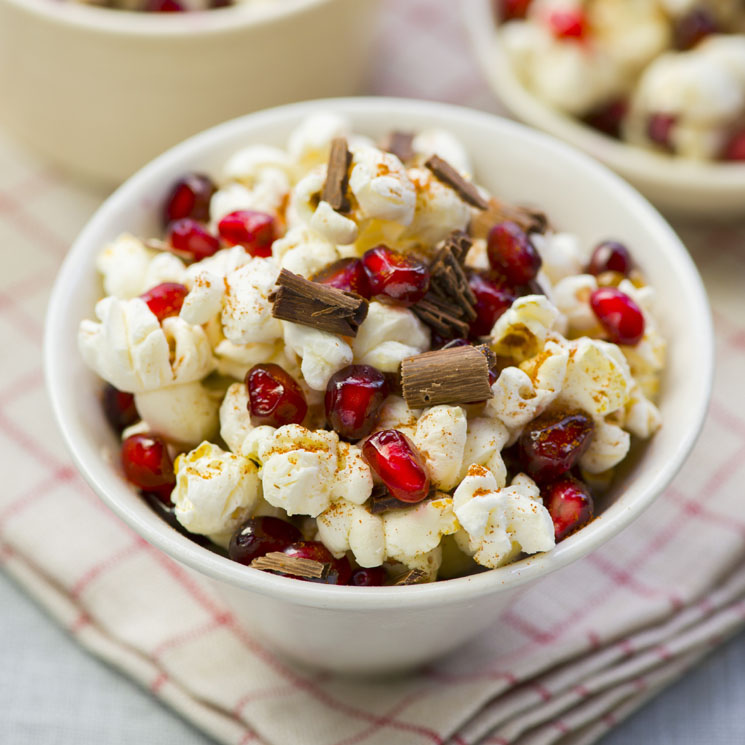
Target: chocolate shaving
<point x="490" y="354"/>
<point x="448" y="175"/>
<point x="319" y="306"/>
<point x="381" y="500"/>
<point x="337" y="175"/>
<point x="450" y="304"/>
<point x="400" y="144"/>
<point x="410" y="577"/>
<point x="459" y="375"/>
<point x="297" y="566"/>
<point x="530" y="220"/>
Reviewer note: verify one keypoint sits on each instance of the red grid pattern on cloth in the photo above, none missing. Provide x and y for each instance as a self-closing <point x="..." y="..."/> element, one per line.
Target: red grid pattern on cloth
<point x="590" y="660"/>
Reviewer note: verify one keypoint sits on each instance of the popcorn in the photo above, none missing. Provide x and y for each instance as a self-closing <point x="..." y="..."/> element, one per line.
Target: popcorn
<point x="135" y="353"/>
<point x="485" y="439"/>
<point x="129" y="268"/>
<point x="204" y="300"/>
<point x="298" y="469"/>
<point x="247" y="310"/>
<point x="395" y="414"/>
<point x="388" y="335"/>
<point x="560" y="253"/>
<point x="608" y="447"/>
<point x="322" y="354"/>
<point x="521" y="331"/>
<point x="381" y="186"/>
<point x="572" y="298"/>
<point x="185" y="414"/>
<point x="310" y="142"/>
<point x="303" y="251"/>
<point x="440" y="437"/>
<point x="235" y="419"/>
<point x="498" y="523"/>
<point x="353" y="482"/>
<point x="215" y="491"/>
<point x="346" y="526"/>
<point x="641" y="417"/>
<point x="440" y="142"/>
<point x="219" y="265"/>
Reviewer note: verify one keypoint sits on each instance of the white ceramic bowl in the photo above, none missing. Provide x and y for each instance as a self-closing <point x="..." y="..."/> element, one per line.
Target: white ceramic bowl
<point x="383" y="629"/>
<point x="680" y="187"/>
<point x="101" y="92"/>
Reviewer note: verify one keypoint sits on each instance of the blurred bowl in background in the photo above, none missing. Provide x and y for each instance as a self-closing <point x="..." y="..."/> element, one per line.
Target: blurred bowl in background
<point x="679" y="187"/>
<point x="100" y="91"/>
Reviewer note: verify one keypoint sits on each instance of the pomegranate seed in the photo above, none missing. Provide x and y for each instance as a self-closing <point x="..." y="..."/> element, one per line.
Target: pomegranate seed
<point x="609" y="118"/>
<point x="148" y="465"/>
<point x="372" y="577"/>
<point x="735" y="148"/>
<point x="512" y="254"/>
<point x="660" y="129"/>
<point x="510" y="10"/>
<point x="346" y="274"/>
<point x="570" y="504"/>
<point x="568" y="24"/>
<point x="395" y="276"/>
<point x="164" y="6"/>
<point x="191" y="239"/>
<point x="274" y="397"/>
<point x="354" y="396"/>
<point x="610" y="256"/>
<point x="255" y="231"/>
<point x="166" y="299"/>
<point x="189" y="197"/>
<point x="493" y="298"/>
<point x="551" y="444"/>
<point x="340" y="572"/>
<point x="259" y="536"/>
<point x="618" y="314"/>
<point x="693" y="27"/>
<point x="119" y="408"/>
<point x="398" y="464"/>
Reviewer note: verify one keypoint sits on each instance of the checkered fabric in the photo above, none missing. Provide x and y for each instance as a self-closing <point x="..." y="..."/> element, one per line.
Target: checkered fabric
<point x="588" y="645"/>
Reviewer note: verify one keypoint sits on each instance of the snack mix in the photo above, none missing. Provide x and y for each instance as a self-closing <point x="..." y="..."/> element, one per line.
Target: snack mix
<point x="666" y="75"/>
<point x="345" y="362"/>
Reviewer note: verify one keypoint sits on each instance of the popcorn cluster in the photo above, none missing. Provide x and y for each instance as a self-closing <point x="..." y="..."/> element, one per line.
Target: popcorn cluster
<point x="662" y="74"/>
<point x="245" y="398"/>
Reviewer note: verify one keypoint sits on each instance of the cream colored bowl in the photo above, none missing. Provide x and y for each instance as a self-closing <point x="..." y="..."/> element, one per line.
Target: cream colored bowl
<point x="100" y="92"/>
<point x="680" y="187"/>
<point x="381" y="629"/>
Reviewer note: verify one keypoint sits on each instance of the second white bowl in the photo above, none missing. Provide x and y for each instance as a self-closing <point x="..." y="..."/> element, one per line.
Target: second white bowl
<point x="680" y="187"/>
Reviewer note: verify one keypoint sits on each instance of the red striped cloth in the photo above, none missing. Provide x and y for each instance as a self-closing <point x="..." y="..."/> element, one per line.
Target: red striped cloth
<point x="586" y="650"/>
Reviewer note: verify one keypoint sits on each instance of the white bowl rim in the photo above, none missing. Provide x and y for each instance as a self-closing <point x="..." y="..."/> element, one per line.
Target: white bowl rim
<point x="117" y="22"/>
<point x="94" y="468"/>
<point x="623" y="157"/>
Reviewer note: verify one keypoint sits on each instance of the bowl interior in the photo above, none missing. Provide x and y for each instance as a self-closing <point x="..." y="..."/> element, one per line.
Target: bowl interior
<point x="515" y="163"/>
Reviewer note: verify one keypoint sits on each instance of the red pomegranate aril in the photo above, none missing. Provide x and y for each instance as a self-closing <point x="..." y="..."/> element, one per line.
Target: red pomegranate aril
<point x="189" y="197"/>
<point x="190" y="239"/>
<point x="609" y="118"/>
<point x="164" y="6"/>
<point x="166" y="299"/>
<point x="394" y="276"/>
<point x="353" y="399"/>
<point x="512" y="254"/>
<point x="346" y="274"/>
<point x="619" y="315"/>
<point x="510" y="10"/>
<point x="493" y="298"/>
<point x="259" y="536"/>
<point x="660" y="129"/>
<point x="274" y="396"/>
<point x="693" y="27"/>
<point x="119" y="408"/>
<point x="372" y="577"/>
<point x="568" y="24"/>
<point x="552" y="444"/>
<point x="148" y="465"/>
<point x="255" y="231"/>
<point x="570" y="505"/>
<point x="735" y="148"/>
<point x="340" y="572"/>
<point x="398" y="464"/>
<point x="610" y="256"/>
